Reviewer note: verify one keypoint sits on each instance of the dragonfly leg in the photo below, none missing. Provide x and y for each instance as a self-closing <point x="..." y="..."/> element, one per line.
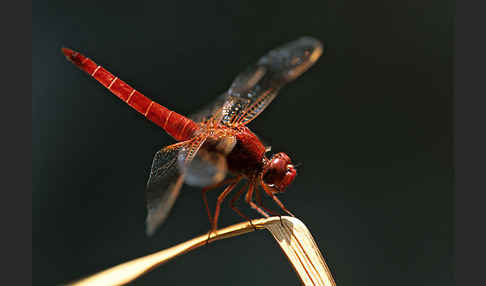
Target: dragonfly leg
<point x="221" y="197"/>
<point x="249" y="200"/>
<point x="279" y="203"/>
<point x="260" y="203"/>
<point x="212" y="187"/>
<point x="235" y="209"/>
<point x="205" y="199"/>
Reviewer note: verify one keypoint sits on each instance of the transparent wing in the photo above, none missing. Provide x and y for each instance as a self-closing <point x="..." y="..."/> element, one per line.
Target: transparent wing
<point x="166" y="178"/>
<point x="163" y="186"/>
<point x="206" y="168"/>
<point x="242" y="84"/>
<point x="281" y="66"/>
<point x="253" y="90"/>
<point x="211" y="110"/>
<point x="208" y="165"/>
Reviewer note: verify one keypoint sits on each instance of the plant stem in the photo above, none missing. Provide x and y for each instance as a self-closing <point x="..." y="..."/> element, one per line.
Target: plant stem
<point x="291" y="234"/>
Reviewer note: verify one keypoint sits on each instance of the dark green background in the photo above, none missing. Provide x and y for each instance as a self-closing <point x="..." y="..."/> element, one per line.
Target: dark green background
<point x="371" y="124"/>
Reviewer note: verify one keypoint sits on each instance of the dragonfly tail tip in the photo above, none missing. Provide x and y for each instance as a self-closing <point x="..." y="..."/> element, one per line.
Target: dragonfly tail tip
<point x="70" y="54"/>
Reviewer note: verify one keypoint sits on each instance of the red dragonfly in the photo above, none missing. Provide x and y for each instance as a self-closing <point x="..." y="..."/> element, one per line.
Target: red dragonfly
<point x="216" y="141"/>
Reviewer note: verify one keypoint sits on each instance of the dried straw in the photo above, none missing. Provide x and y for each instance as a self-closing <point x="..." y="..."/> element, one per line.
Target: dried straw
<point x="290" y="233"/>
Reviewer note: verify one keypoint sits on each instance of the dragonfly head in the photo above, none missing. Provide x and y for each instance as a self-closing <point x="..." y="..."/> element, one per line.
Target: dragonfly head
<point x="279" y="172"/>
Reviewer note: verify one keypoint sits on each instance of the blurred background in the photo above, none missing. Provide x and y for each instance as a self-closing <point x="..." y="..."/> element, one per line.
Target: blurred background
<point x="371" y="124"/>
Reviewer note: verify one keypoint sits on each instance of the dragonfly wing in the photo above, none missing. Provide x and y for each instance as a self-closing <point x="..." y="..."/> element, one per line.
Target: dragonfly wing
<point x="206" y="168"/>
<point x="253" y="90"/>
<point x="246" y="80"/>
<point x="289" y="61"/>
<point x="163" y="186"/>
<point x="242" y="84"/>
<point x="211" y="110"/>
<point x="208" y="165"/>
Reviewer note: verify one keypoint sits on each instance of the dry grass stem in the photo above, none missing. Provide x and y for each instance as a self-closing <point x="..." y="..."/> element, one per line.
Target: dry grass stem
<point x="291" y="234"/>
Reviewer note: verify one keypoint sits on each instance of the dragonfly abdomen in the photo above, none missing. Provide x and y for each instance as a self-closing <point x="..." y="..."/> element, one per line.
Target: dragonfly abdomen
<point x="176" y="125"/>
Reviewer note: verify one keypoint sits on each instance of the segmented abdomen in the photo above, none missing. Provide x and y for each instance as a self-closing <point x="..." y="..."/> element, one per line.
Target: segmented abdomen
<point x="176" y="125"/>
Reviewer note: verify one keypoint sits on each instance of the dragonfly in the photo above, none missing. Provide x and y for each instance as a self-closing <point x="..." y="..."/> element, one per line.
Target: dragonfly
<point x="215" y="148"/>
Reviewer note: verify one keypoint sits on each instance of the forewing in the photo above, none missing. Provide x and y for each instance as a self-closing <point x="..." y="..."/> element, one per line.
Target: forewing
<point x="253" y="90"/>
<point x="163" y="186"/>
<point x="242" y="84"/>
<point x="212" y="110"/>
<point x="209" y="166"/>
